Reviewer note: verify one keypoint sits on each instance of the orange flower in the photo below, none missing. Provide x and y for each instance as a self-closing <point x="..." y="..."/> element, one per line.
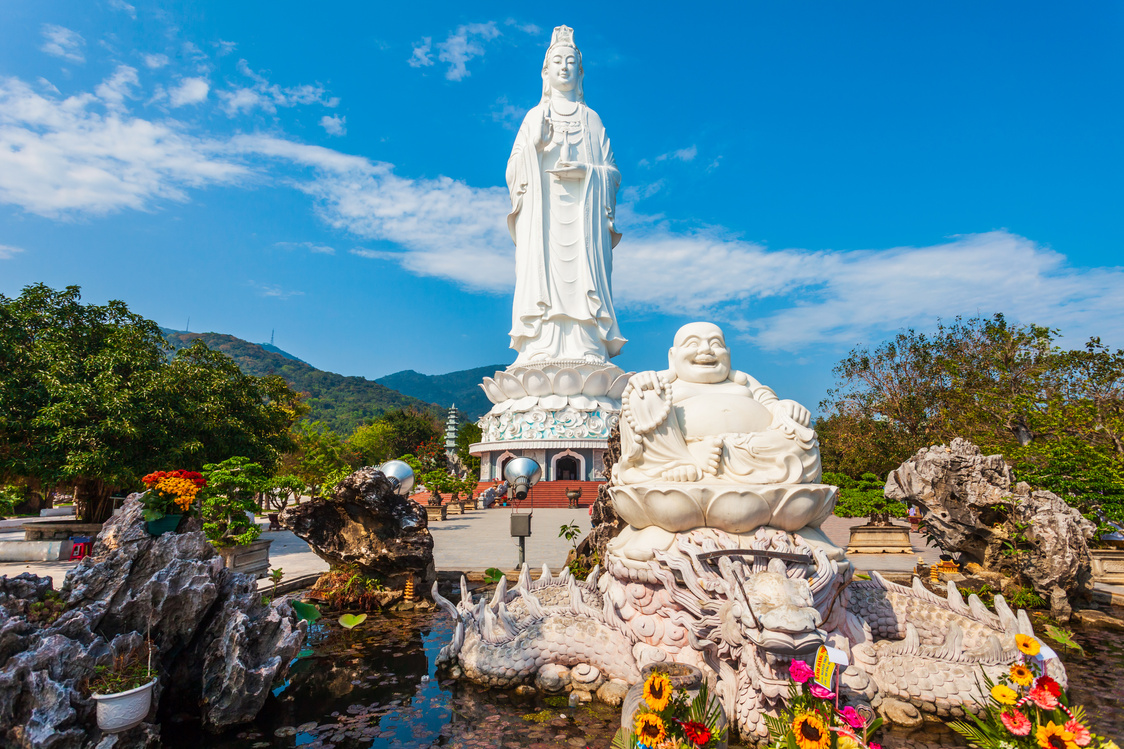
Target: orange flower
<point x="1052" y="736"/>
<point x="1021" y="675"/>
<point x="1027" y="644"/>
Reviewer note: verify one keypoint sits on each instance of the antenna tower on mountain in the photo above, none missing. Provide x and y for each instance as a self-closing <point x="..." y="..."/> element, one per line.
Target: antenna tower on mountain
<point x="271" y="336"/>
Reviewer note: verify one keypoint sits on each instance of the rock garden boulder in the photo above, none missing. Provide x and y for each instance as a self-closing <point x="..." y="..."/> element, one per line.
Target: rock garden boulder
<point x="971" y="507"/>
<point x="367" y="526"/>
<point x="218" y="648"/>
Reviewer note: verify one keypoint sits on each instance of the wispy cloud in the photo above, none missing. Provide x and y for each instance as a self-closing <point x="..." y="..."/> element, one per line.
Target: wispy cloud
<point x="320" y="249"/>
<point x="268" y="96"/>
<point x="189" y="91"/>
<point x="7" y="251"/>
<point x="62" y="42"/>
<point x="459" y="47"/>
<point x="155" y="62"/>
<point x="421" y="57"/>
<point x="506" y="113"/>
<point x="61" y="156"/>
<point x="683" y="154"/>
<point x="116" y="88"/>
<point x="273" y="291"/>
<point x="334" y="124"/>
<point x="124" y="7"/>
<point x="224" y="48"/>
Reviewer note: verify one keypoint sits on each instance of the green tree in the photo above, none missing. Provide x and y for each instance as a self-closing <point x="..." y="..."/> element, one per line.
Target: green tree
<point x="232" y="489"/>
<point x="469" y="433"/>
<point x="411" y="428"/>
<point x="89" y="398"/>
<point x="373" y="444"/>
<point x="320" y="454"/>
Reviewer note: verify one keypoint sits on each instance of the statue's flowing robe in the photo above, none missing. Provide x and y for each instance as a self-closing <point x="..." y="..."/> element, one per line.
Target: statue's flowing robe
<point x="560" y="300"/>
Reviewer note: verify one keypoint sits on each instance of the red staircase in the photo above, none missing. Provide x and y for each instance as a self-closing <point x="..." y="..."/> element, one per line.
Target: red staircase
<point x="543" y="494"/>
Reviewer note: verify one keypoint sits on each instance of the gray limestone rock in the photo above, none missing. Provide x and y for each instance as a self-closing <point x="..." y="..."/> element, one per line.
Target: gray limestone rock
<point x="218" y="648"/>
<point x="971" y="508"/>
<point x="606" y="523"/>
<point x="367" y="525"/>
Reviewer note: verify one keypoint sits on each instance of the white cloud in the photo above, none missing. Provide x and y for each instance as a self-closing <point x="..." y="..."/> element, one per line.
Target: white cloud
<point x="189" y="91"/>
<point x="268" y="96"/>
<point x="334" y="124"/>
<point x="506" y="113"/>
<point x="114" y="89"/>
<point x="527" y="28"/>
<point x="124" y="7"/>
<point x="421" y="56"/>
<point x="273" y="291"/>
<point x="155" y="61"/>
<point x="319" y="249"/>
<point x="224" y="48"/>
<point x="7" y="251"/>
<point x="62" y="42"/>
<point x="458" y="48"/>
<point x="61" y="156"/>
<point x="682" y="154"/>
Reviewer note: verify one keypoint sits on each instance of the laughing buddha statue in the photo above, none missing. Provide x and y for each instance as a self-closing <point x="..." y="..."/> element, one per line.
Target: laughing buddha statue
<point x="706" y="446"/>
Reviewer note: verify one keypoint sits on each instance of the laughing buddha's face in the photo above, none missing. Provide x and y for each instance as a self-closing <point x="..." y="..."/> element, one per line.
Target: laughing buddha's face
<point x="700" y="354"/>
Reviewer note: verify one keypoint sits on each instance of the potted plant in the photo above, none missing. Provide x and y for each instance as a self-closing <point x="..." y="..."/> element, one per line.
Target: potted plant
<point x="123" y="690"/>
<point x="170" y="496"/>
<point x="228" y="506"/>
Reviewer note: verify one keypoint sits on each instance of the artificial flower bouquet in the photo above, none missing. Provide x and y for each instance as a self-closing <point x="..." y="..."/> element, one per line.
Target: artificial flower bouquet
<point x="1029" y="709"/>
<point x="669" y="718"/>
<point x="170" y="493"/>
<point x="812" y="719"/>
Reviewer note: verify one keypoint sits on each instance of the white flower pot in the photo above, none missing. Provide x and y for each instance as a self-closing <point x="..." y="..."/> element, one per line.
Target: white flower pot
<point x="122" y="711"/>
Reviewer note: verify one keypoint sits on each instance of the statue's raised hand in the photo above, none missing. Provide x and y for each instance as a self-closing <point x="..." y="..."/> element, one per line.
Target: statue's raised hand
<point x="647" y="380"/>
<point x="544" y="133"/>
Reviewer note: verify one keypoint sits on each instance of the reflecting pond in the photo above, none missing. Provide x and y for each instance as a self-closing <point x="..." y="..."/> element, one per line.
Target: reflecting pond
<point x="376" y="687"/>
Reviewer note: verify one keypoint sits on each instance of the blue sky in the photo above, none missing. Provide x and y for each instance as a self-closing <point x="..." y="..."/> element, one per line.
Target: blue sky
<point x="812" y="176"/>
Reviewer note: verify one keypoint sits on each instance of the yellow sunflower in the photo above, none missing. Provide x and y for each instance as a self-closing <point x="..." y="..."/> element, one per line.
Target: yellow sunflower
<point x="810" y="732"/>
<point x="650" y="729"/>
<point x="1027" y="644"/>
<point x="657" y="691"/>
<point x="1021" y="675"/>
<point x="1004" y="695"/>
<point x="1053" y="736"/>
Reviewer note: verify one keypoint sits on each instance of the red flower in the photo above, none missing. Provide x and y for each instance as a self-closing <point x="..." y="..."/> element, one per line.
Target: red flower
<point x="695" y="731"/>
<point x="1051" y="686"/>
<point x="1015" y="722"/>
<point x="1043" y="697"/>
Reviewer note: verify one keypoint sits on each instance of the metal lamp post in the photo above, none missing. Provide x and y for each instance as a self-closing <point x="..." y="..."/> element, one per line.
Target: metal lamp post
<point x="521" y="473"/>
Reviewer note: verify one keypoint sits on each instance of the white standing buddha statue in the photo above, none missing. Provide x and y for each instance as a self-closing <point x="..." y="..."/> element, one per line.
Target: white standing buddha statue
<point x="563" y="183"/>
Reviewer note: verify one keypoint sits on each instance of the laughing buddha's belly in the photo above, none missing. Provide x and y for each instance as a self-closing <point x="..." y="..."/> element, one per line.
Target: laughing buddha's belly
<point x="721" y="413"/>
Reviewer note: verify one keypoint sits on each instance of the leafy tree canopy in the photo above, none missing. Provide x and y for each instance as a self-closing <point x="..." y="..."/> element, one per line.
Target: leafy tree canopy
<point x="88" y="397"/>
<point x="468" y="433"/>
<point x="1056" y="415"/>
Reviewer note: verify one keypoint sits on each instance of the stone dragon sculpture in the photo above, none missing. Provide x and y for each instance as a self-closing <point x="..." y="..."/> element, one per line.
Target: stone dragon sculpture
<point x="740" y="614"/>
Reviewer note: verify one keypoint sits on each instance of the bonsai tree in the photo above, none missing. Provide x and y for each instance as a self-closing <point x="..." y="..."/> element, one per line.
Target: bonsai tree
<point x="232" y="488"/>
<point x="864" y="497"/>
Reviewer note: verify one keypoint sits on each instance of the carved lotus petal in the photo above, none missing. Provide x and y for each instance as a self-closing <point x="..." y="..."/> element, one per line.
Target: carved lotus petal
<point x="616" y="390"/>
<point x="536" y="383"/>
<point x="567" y="381"/>
<point x="526" y="403"/>
<point x="584" y="402"/>
<point x="550" y="369"/>
<point x="510" y="384"/>
<point x="553" y="402"/>
<point x="494" y="392"/>
<point x="597" y="383"/>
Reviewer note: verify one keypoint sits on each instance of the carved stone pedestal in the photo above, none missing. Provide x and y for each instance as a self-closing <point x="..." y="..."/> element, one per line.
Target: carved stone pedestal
<point x="455" y="508"/>
<point x="251" y="559"/>
<point x="880" y="539"/>
<point x="1108" y="565"/>
<point x="435" y="512"/>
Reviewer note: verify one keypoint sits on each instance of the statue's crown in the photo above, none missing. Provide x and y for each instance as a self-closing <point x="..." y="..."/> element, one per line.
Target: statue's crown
<point x="562" y="36"/>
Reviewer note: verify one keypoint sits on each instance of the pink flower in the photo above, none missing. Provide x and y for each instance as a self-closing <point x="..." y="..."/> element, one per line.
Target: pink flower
<point x="823" y="694"/>
<point x="852" y="718"/>
<point x="800" y="671"/>
<point x="1015" y="722"/>
<point x="1081" y="735"/>
<point x="1044" y="698"/>
<point x="873" y="745"/>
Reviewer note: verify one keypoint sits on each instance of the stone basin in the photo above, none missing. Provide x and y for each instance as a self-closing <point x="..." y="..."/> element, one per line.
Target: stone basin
<point x="734" y="508"/>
